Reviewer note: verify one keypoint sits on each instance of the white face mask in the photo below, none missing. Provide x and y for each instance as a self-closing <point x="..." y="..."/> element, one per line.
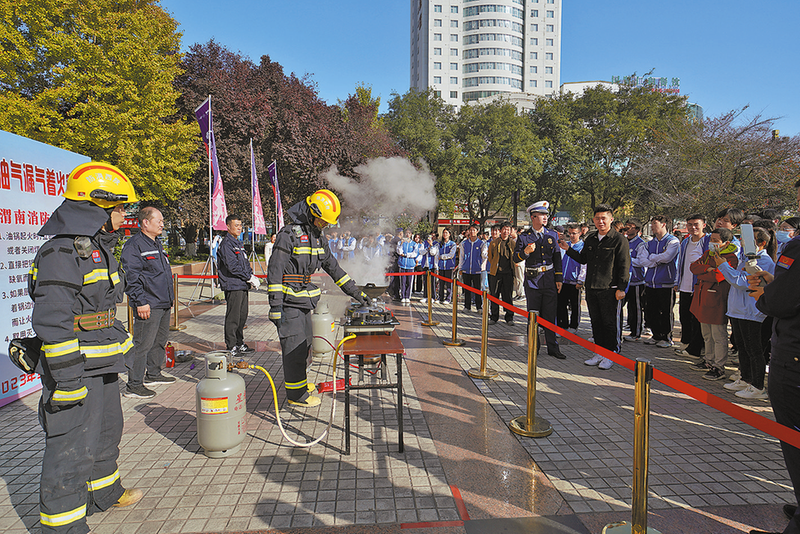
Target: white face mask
<point x="783" y="236"/>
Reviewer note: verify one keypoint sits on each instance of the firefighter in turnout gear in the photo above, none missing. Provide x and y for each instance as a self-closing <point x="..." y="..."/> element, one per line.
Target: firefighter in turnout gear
<point x="300" y="249"/>
<point x="76" y="284"/>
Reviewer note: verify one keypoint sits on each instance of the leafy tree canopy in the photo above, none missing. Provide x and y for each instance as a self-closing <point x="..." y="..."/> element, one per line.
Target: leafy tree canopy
<point x="96" y="78"/>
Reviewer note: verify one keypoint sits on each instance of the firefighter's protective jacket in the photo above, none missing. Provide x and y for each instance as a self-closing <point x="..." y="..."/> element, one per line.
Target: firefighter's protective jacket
<point x="300" y="249"/>
<point x="75" y="284"/>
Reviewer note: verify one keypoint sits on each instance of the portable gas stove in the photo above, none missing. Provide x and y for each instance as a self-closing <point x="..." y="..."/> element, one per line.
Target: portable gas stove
<point x="372" y="319"/>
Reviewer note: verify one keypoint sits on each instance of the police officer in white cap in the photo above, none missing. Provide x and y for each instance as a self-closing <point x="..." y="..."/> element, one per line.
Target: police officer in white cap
<point x="538" y="248"/>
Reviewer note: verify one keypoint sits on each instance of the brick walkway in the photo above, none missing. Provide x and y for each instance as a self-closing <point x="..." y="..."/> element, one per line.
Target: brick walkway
<point x="462" y="469"/>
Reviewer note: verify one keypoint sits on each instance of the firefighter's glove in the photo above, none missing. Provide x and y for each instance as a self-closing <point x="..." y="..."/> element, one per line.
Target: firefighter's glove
<point x="362" y="299"/>
<point x="276" y="316"/>
<point x="68" y="393"/>
<point x="255" y="282"/>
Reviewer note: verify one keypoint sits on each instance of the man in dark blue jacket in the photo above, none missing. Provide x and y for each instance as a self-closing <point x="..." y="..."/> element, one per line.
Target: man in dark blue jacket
<point x="538" y="248"/>
<point x="235" y="278"/>
<point x="150" y="294"/>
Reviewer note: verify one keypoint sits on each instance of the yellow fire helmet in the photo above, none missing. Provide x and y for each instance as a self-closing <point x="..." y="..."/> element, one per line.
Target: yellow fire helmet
<point x="325" y="205"/>
<point x="101" y="183"/>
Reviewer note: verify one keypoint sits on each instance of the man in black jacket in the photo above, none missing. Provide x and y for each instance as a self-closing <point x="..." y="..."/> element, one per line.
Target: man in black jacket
<point x="235" y="278"/>
<point x="780" y="299"/>
<point x="148" y="278"/>
<point x="607" y="257"/>
<point x="300" y="249"/>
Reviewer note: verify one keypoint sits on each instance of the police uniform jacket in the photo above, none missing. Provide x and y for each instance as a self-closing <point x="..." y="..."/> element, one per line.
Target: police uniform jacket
<point x="148" y="276"/>
<point x="75" y="284"/>
<point x="608" y="260"/>
<point x="781" y="300"/>
<point x="233" y="265"/>
<point x="546" y="253"/>
<point x="300" y="249"/>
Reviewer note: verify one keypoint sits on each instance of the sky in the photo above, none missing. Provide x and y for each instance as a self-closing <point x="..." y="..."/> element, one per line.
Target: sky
<point x="727" y="54"/>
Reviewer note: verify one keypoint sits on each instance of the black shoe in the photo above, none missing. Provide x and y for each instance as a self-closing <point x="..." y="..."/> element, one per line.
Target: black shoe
<point x="556" y="353"/>
<point x="244" y="349"/>
<point x="138" y="392"/>
<point x="492" y="321"/>
<point x="789" y="510"/>
<point x="510" y="322"/>
<point x="157" y="380"/>
<point x="714" y="374"/>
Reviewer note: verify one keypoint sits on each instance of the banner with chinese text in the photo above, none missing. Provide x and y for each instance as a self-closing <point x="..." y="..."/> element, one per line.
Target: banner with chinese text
<point x="33" y="176"/>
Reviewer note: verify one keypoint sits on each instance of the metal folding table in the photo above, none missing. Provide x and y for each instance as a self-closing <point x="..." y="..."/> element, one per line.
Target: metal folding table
<point x="382" y="344"/>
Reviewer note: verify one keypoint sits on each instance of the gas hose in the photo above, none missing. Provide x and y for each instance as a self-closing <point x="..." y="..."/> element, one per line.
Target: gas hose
<point x="333" y="400"/>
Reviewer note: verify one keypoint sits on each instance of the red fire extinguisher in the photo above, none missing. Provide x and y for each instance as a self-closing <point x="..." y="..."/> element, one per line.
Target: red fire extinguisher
<point x="170" y="355"/>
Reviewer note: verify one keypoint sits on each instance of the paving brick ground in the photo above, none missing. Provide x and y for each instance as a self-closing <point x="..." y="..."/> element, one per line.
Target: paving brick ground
<point x="708" y="472"/>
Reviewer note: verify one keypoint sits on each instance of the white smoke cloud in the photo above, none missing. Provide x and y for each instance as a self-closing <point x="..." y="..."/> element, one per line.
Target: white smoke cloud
<point x="386" y="188"/>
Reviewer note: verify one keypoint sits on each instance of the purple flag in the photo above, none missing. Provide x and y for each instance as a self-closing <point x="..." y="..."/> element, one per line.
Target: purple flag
<point x="218" y="209"/>
<point x="273" y="179"/>
<point x="258" y="213"/>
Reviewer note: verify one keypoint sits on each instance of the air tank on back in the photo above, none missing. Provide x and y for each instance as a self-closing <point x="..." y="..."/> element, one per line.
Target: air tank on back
<point x="221" y="408"/>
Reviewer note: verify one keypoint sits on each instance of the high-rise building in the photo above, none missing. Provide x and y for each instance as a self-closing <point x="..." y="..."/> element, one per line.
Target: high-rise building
<point x="469" y="49"/>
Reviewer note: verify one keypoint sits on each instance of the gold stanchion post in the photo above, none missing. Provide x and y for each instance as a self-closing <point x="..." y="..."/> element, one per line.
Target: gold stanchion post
<point x="484" y="372"/>
<point x="130" y="317"/>
<point x="175" y="325"/>
<point x="430" y="321"/>
<point x="454" y="342"/>
<point x="530" y="425"/>
<point x="641" y="452"/>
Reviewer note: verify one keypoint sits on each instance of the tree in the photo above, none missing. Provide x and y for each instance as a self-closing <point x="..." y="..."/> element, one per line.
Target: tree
<point x="494" y="153"/>
<point x="720" y="162"/>
<point x="96" y="78"/>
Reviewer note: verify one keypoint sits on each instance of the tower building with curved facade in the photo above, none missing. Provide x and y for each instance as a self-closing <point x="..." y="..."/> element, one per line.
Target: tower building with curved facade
<point x="470" y="49"/>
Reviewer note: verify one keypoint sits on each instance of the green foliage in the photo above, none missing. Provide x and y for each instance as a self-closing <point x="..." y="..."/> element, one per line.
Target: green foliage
<point x="96" y="78"/>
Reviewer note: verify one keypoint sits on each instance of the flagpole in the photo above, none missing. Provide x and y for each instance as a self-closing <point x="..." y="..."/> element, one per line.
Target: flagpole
<point x="277" y="207"/>
<point x="210" y="181"/>
<point x="252" y="195"/>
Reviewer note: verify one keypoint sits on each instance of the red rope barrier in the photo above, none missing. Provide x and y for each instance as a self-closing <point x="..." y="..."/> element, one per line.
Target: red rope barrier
<point x="750" y="418"/>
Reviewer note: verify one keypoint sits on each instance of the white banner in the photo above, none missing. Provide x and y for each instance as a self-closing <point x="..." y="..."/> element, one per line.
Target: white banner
<point x="33" y="176"/>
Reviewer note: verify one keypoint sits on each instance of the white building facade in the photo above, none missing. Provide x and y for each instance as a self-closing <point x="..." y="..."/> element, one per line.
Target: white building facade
<point x="471" y="49"/>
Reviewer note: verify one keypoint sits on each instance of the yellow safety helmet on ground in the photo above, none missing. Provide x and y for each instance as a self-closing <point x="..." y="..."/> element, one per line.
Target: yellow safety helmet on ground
<point x="101" y="183"/>
<point x="325" y="205"/>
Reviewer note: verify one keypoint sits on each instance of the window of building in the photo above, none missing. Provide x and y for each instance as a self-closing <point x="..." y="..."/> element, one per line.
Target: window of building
<point x="548" y="42"/>
<point x="551" y="1"/>
<point x="437" y="23"/>
<point x="532" y="83"/>
<point x="548" y="83"/>
<point x="534" y="70"/>
<point x="453" y="66"/>
<point x="454" y="24"/>
<point x="548" y="56"/>
<point x="453" y="80"/>
<point x="548" y="70"/>
<point x="438" y="94"/>
<point x="534" y="12"/>
<point x="453" y="38"/>
<point x="550" y="14"/>
<point x="437" y="51"/>
<point x="437" y="9"/>
<point x="550" y="28"/>
<point x="534" y="55"/>
<point x="437" y="79"/>
<point x="534" y="27"/>
<point x="534" y="41"/>
<point x="437" y="65"/>
<point x="454" y="52"/>
<point x="453" y="9"/>
<point x="437" y="36"/>
<point x="453" y="94"/>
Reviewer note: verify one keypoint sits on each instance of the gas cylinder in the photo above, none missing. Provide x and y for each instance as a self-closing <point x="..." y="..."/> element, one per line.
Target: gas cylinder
<point x="170" y="350"/>
<point x="221" y="408"/>
<point x="322" y="325"/>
